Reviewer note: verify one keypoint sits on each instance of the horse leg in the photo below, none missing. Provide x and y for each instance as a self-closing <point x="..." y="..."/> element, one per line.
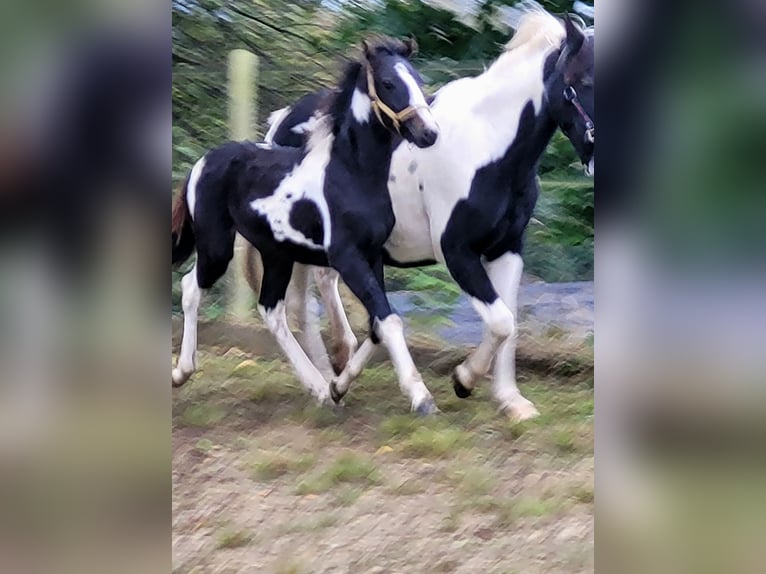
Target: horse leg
<point x="271" y="304"/>
<point x="505" y="274"/>
<point x="354" y="366"/>
<point x="365" y="281"/>
<point x="466" y="268"/>
<point x="302" y="306"/>
<point x="215" y="248"/>
<point x="190" y="300"/>
<point x="343" y="340"/>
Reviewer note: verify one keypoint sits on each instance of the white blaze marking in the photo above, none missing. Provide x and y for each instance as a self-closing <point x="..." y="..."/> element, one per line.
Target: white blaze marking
<point x="590" y="170"/>
<point x="417" y="99"/>
<point x="360" y="107"/>
<point x="191" y="189"/>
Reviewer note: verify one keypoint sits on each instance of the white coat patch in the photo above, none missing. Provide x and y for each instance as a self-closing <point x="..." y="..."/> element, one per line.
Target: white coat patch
<point x="361" y="107"/>
<point x="191" y="188"/>
<point x="306" y="181"/>
<point x="306" y="126"/>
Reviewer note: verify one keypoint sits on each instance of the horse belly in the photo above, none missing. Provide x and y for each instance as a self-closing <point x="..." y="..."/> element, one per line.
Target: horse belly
<point x="410" y="239"/>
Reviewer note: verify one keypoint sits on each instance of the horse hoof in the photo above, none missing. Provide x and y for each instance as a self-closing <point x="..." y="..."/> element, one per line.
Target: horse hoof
<point x="178" y="378"/>
<point x="460" y="390"/>
<point x="521" y="410"/>
<point x="336" y="395"/>
<point x="427" y="408"/>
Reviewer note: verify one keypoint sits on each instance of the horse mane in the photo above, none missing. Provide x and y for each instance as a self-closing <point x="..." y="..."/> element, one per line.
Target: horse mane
<point x="533" y="25"/>
<point x="339" y="104"/>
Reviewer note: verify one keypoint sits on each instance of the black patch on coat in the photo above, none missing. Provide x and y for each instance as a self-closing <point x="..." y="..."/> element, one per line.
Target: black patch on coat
<point x="299" y="114"/>
<point x="491" y="220"/>
<point x="305" y="217"/>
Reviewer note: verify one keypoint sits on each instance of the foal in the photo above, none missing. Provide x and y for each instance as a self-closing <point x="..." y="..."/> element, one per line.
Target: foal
<point x="325" y="204"/>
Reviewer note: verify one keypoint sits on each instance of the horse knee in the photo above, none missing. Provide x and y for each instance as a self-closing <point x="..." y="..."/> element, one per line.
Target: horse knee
<point x="498" y="318"/>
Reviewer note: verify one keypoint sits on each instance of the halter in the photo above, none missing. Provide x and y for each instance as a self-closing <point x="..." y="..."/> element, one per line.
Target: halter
<point x="570" y="95"/>
<point x="378" y="105"/>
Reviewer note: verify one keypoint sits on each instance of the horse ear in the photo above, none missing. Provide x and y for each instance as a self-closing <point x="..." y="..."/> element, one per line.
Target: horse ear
<point x="367" y="49"/>
<point x="575" y="36"/>
<point x="411" y="46"/>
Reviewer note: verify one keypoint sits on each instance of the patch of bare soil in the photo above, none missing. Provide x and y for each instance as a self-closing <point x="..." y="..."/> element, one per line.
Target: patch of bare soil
<point x="263" y="481"/>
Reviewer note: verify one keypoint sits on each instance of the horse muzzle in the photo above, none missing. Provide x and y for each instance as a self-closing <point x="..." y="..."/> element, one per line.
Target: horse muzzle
<point x="416" y="131"/>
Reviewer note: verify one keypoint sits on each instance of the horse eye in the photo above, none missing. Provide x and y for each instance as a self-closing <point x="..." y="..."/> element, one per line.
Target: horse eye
<point x="388" y="84"/>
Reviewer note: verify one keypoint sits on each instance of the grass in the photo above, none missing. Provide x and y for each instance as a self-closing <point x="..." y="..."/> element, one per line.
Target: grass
<point x="427" y="442"/>
<point x="203" y="415"/>
<point x="346" y="496"/>
<point x="272" y="465"/>
<point x="233" y="538"/>
<point x="348" y="468"/>
<point x="470" y="460"/>
<point x="583" y="494"/>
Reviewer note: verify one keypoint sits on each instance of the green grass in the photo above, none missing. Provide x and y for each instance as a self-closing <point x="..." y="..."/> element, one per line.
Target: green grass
<point x="583" y="494"/>
<point x="435" y="443"/>
<point x="348" y="468"/>
<point x="233" y="538"/>
<point x="204" y="445"/>
<point x="203" y="415"/>
<point x="272" y="465"/>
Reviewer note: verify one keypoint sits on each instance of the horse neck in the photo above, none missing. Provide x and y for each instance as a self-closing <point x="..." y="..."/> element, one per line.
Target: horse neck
<point x="366" y="145"/>
<point x="508" y="86"/>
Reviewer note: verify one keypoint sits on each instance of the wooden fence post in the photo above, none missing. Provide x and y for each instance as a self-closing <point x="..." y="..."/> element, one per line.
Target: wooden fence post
<point x="243" y="112"/>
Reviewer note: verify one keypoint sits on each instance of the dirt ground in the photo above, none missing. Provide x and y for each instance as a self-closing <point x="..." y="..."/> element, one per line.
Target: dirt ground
<point x="265" y="481"/>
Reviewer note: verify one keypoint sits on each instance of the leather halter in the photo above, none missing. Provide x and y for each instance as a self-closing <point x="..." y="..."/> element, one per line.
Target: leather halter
<point x="379" y="106"/>
<point x="570" y="95"/>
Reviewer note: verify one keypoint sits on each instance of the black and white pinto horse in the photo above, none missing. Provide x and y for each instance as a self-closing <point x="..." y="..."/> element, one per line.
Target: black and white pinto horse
<point x="467" y="200"/>
<point x="325" y="204"/>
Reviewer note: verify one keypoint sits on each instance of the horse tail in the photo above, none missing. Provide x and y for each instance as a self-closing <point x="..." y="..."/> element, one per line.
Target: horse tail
<point x="181" y="232"/>
<point x="253" y="268"/>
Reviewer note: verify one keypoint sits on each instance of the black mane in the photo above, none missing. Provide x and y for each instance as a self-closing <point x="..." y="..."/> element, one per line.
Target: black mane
<point x="340" y="102"/>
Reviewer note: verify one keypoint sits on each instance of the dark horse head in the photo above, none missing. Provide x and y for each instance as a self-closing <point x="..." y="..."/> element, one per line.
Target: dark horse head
<point x="570" y="94"/>
<point x="395" y="90"/>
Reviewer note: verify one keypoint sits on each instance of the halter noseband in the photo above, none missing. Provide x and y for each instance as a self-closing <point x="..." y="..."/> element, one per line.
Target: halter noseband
<point x="378" y="105"/>
<point x="570" y="95"/>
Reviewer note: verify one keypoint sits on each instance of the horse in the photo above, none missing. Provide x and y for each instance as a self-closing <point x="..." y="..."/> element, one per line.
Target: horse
<point x="323" y="204"/>
<point x="467" y="200"/>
